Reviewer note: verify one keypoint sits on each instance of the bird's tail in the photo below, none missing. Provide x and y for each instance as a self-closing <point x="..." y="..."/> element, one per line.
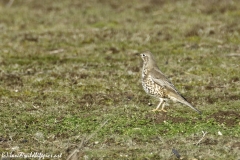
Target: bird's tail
<point x="189" y="105"/>
<point x="182" y="100"/>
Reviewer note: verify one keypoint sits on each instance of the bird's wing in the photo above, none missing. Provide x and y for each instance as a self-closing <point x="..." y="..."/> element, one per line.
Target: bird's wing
<point x="159" y="78"/>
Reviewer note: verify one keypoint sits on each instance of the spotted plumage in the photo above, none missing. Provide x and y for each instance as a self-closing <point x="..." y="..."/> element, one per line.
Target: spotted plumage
<point x="152" y="88"/>
<point x="155" y="83"/>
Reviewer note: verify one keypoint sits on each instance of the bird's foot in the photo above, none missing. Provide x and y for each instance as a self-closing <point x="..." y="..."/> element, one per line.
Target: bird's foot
<point x="159" y="110"/>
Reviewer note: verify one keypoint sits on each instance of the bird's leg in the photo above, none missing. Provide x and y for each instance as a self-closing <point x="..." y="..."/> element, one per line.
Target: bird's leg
<point x="163" y="105"/>
<point x="162" y="102"/>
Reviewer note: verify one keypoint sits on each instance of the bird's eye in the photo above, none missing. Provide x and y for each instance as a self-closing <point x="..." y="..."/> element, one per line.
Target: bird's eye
<point x="143" y="55"/>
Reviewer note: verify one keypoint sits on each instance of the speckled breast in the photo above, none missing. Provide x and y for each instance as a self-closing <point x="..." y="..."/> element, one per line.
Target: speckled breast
<point x="151" y="87"/>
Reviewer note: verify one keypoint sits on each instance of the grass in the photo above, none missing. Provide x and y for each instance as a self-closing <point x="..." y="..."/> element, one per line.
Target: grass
<point x="67" y="67"/>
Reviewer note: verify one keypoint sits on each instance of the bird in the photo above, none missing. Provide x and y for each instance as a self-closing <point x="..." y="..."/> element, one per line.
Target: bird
<point x="156" y="84"/>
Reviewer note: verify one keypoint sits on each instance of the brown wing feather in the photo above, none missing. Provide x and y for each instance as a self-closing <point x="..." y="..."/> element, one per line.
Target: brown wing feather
<point x="159" y="78"/>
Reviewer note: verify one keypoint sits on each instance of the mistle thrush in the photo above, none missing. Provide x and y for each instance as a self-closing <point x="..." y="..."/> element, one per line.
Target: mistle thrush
<point x="155" y="83"/>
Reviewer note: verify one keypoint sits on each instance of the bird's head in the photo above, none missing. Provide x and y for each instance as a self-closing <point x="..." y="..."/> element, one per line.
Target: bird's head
<point x="144" y="56"/>
<point x="148" y="59"/>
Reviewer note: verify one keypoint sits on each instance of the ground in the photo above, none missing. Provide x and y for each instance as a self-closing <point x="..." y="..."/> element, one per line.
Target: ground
<point x="70" y="78"/>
